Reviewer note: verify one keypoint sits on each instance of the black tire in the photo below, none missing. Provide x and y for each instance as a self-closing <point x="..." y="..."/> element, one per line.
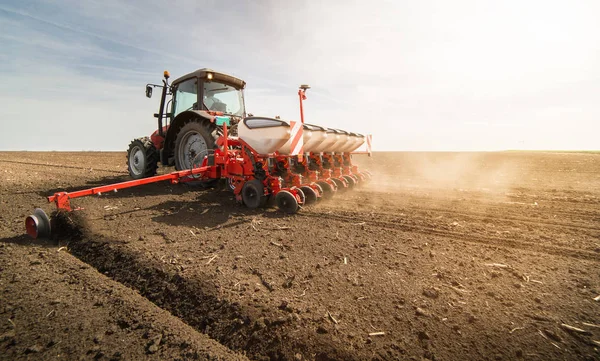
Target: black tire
<point x="142" y="158"/>
<point x="328" y="190"/>
<point x="194" y="141"/>
<point x="287" y="202"/>
<point x="310" y="196"/>
<point x="253" y="194"/>
<point x="350" y="181"/>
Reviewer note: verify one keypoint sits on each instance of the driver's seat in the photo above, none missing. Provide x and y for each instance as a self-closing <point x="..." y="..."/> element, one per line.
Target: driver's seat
<point x="219" y="107"/>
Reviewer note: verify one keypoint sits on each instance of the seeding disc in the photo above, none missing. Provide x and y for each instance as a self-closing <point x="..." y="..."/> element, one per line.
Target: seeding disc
<point x="286" y="202"/>
<point x="230" y="184"/>
<point x="253" y="194"/>
<point x="351" y="182"/>
<point x="328" y="190"/>
<point x="341" y="184"/>
<point x="302" y="196"/>
<point x="319" y="192"/>
<point x="309" y="194"/>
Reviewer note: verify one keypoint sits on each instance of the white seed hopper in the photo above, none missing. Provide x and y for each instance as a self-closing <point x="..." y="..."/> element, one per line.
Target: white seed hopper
<point x="264" y="135"/>
<point x="343" y="139"/>
<point x="313" y="136"/>
<point x="354" y="142"/>
<point x="359" y="140"/>
<point x="330" y="137"/>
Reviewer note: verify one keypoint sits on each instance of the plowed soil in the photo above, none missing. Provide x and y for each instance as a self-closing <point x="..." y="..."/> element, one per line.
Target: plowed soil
<point x="442" y="256"/>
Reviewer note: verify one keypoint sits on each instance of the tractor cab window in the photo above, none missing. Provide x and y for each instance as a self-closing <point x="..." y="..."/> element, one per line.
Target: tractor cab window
<point x="186" y="96"/>
<point x="223" y="98"/>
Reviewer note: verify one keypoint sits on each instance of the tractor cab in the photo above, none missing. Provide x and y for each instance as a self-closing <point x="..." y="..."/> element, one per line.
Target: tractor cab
<point x="208" y="90"/>
<point x="201" y="90"/>
<point x="191" y="110"/>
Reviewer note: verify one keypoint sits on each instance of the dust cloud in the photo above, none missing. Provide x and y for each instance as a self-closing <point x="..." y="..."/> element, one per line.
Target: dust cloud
<point x="482" y="172"/>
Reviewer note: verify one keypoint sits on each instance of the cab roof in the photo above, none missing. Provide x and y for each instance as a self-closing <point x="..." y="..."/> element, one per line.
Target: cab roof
<point x="218" y="76"/>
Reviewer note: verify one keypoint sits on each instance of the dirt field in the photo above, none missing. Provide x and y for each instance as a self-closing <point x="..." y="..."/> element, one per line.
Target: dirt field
<point x="443" y="256"/>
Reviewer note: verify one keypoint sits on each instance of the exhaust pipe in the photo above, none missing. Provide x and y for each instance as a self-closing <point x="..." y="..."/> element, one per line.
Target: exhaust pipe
<point x="38" y="224"/>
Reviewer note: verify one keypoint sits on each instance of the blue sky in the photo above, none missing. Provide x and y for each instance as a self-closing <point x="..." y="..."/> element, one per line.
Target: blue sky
<point x="418" y="75"/>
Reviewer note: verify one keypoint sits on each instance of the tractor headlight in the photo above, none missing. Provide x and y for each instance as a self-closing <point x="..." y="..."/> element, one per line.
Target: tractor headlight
<point x="209" y="76"/>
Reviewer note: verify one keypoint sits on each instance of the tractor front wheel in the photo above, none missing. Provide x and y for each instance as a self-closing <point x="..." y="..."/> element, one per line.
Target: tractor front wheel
<point x="142" y="158"/>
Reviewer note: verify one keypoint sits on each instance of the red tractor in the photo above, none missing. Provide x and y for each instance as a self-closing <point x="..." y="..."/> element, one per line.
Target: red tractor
<point x="189" y="122"/>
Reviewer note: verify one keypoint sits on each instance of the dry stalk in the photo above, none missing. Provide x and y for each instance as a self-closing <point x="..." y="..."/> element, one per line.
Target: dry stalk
<point x="211" y="259"/>
<point x="255" y="221"/>
<point x="276" y="244"/>
<point x="574" y="329"/>
<point x="590" y="324"/>
<point x="544" y="336"/>
<point x="516" y="328"/>
<point x="332" y="318"/>
<point x="499" y="265"/>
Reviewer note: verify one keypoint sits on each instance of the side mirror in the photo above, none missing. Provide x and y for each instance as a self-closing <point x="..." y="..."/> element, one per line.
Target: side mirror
<point x="148" y="91"/>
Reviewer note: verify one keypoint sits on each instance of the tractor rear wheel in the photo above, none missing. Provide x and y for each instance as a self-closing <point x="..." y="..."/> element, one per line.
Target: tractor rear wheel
<point x="193" y="142"/>
<point x="142" y="158"/>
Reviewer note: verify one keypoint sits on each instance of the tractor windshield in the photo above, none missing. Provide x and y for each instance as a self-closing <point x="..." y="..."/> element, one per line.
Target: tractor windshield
<point x="223" y="98"/>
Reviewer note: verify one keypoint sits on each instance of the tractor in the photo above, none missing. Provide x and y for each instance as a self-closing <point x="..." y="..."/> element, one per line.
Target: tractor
<point x="204" y="131"/>
<point x="192" y="111"/>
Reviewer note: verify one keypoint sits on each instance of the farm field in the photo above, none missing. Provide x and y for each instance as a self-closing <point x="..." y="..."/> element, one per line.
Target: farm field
<point x="442" y="256"/>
